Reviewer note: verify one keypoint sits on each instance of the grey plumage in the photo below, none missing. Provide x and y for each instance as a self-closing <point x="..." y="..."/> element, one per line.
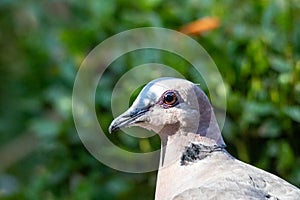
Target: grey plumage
<point x="194" y="163"/>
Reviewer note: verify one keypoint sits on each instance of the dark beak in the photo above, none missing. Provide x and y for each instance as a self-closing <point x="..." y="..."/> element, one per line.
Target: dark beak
<point x="128" y="118"/>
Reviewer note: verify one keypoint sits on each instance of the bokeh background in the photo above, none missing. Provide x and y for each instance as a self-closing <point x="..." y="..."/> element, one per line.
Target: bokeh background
<point x="256" y="48"/>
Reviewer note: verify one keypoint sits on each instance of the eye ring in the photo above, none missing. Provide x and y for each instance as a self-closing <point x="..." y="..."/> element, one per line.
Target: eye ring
<point x="170" y="98"/>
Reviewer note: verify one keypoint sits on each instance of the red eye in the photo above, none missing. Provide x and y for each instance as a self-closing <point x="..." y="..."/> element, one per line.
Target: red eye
<point x="170" y="98"/>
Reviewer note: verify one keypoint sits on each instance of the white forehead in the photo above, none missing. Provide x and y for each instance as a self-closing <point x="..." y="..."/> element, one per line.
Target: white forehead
<point x="158" y="86"/>
<point x="154" y="90"/>
<point x="149" y="95"/>
<point x="168" y="83"/>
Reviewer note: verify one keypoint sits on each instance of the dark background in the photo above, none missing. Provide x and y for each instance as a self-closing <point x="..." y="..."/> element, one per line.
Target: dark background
<point x="42" y="44"/>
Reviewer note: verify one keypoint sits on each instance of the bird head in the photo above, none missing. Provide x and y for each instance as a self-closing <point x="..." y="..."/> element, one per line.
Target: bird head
<point x="169" y="105"/>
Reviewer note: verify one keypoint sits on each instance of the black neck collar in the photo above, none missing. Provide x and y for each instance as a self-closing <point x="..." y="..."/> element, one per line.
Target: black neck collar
<point x="195" y="152"/>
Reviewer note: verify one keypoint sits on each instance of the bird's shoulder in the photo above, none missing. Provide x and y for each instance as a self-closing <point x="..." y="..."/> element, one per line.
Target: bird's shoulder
<point x="238" y="180"/>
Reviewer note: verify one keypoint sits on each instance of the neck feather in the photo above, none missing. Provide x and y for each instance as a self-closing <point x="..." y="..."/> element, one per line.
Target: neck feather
<point x="208" y="125"/>
<point x="177" y="145"/>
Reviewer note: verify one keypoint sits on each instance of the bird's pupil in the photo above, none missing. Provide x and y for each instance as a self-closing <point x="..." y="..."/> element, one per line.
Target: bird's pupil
<point x="169" y="97"/>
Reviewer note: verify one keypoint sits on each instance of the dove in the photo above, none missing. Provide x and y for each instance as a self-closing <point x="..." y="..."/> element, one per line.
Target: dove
<point x="194" y="163"/>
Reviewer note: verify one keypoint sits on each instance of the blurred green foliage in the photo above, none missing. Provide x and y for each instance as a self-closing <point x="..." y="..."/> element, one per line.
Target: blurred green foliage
<point x="257" y="50"/>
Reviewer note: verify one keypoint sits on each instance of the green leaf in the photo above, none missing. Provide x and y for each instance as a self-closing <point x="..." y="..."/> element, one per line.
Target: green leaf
<point x="293" y="112"/>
